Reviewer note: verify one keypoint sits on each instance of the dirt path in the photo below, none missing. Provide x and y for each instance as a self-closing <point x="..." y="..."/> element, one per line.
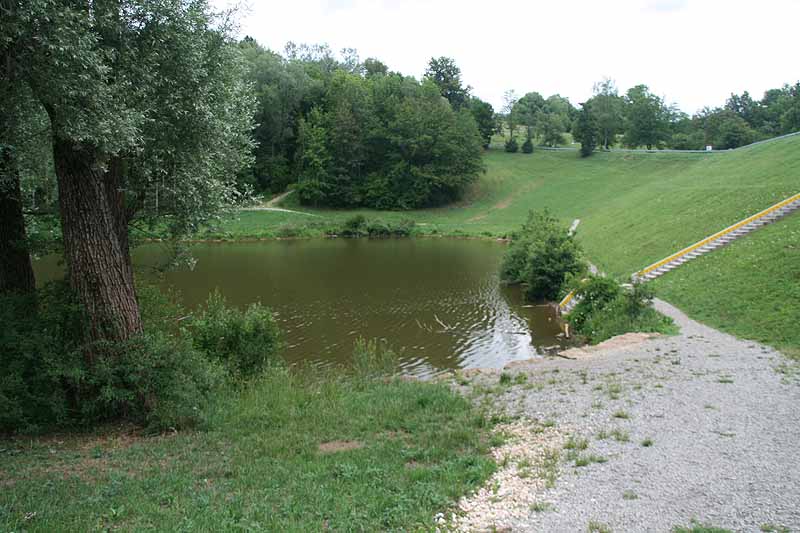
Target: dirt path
<point x="648" y="435"/>
<point x="278" y="199"/>
<point x="270" y="206"/>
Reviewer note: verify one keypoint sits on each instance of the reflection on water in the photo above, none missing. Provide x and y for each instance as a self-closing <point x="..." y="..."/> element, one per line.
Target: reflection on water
<point x="438" y="301"/>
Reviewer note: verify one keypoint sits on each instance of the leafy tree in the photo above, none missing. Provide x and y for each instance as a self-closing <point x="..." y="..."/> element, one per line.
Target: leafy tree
<point x="313" y="183"/>
<point x="444" y="72"/>
<point x="744" y="106"/>
<point x="386" y="142"/>
<point x="509" y="104"/>
<point x="375" y="67"/>
<point x="528" y="109"/>
<point x="551" y="127"/>
<point x="647" y="118"/>
<point x="724" y="129"/>
<point x="281" y="88"/>
<point x="586" y="130"/>
<point x="606" y="107"/>
<point x="542" y="256"/>
<point x="149" y="117"/>
<point x="790" y="119"/>
<point x="483" y="113"/>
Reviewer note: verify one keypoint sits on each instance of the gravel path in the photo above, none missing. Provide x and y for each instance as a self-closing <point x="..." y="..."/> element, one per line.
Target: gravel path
<point x="699" y="426"/>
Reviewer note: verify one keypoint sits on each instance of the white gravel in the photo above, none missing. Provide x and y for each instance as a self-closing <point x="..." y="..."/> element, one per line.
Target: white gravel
<point x="723" y="416"/>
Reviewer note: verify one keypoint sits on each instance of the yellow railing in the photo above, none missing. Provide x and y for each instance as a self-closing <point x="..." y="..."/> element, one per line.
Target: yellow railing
<point x="563" y="303"/>
<point x="717" y="235"/>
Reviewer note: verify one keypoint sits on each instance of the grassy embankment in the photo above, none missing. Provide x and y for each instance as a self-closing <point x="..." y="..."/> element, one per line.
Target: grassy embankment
<point x="394" y="454"/>
<point x="635" y="209"/>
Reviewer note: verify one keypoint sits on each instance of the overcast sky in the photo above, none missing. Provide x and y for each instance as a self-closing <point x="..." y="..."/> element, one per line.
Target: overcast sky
<point x="692" y="52"/>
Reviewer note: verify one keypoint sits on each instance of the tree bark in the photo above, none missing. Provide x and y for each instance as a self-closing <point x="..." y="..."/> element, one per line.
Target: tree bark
<point x="94" y="226"/>
<point x="16" y="271"/>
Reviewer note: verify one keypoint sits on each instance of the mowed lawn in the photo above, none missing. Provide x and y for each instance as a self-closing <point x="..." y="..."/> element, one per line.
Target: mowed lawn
<point x="289" y="453"/>
<point x="635" y="209"/>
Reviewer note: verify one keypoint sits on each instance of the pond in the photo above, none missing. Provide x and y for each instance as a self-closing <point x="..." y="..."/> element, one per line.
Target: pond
<point x="438" y="302"/>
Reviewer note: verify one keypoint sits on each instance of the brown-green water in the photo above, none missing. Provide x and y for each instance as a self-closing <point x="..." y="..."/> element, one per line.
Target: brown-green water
<point x="436" y="301"/>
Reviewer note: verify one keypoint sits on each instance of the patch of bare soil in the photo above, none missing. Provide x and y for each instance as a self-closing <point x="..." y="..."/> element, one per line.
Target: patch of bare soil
<point x="336" y="446"/>
<point x="628" y="340"/>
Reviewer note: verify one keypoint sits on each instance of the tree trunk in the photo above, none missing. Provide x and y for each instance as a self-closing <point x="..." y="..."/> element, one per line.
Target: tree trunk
<point x="16" y="272"/>
<point x="95" y="244"/>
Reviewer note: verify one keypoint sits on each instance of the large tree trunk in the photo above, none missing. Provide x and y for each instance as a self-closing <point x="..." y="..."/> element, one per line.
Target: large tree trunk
<point x="94" y="226"/>
<point x="16" y="272"/>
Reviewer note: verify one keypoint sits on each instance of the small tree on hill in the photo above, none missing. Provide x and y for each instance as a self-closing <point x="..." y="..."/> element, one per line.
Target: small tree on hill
<point x="586" y="131"/>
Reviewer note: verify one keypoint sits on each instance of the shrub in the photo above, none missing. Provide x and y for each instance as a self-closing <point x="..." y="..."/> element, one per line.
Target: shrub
<point x="542" y="256"/>
<point x="245" y="342"/>
<point x="404" y="228"/>
<point x="157" y="379"/>
<point x="377" y="229"/>
<point x="527" y="146"/>
<point x="512" y="146"/>
<point x="609" y="315"/>
<point x="355" y="226"/>
<point x="593" y="294"/>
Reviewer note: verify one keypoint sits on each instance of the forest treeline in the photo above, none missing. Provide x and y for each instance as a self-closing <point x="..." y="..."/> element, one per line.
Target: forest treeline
<point x="352" y="133"/>
<point x="641" y="118"/>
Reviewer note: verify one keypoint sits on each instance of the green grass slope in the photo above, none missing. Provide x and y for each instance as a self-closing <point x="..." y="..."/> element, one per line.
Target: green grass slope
<point x="750" y="288"/>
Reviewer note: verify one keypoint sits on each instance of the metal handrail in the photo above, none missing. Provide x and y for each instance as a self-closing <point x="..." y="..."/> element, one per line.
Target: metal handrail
<point x="718" y="235"/>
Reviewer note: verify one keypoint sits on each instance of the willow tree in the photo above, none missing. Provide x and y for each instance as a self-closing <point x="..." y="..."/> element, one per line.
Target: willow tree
<point x="149" y="120"/>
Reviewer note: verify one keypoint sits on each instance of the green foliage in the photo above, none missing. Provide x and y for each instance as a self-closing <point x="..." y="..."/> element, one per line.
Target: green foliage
<point x="354" y="227"/>
<point x="606" y="108"/>
<point x="594" y="293"/>
<point x="483" y="113"/>
<point x="528" y="110"/>
<point x="586" y="130"/>
<point x="245" y="342"/>
<point x="444" y="72"/>
<point x="156" y="379"/>
<point x="541" y="256"/>
<point x="511" y="146"/>
<point x="606" y="311"/>
<point x="378" y="229"/>
<point x="551" y="128"/>
<point x="647" y="118"/>
<point x="527" y="146"/>
<point x="166" y="94"/>
<point x="386" y="142"/>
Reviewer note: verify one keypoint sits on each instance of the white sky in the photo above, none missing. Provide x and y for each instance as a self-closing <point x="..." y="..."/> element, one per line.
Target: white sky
<point x="692" y="52"/>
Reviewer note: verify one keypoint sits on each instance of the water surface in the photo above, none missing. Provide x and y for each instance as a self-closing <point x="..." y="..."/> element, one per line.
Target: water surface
<point x="437" y="301"/>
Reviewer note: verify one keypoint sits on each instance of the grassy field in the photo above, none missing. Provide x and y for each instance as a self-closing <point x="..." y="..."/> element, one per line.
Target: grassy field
<point x="634" y="209"/>
<point x="290" y="453"/>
